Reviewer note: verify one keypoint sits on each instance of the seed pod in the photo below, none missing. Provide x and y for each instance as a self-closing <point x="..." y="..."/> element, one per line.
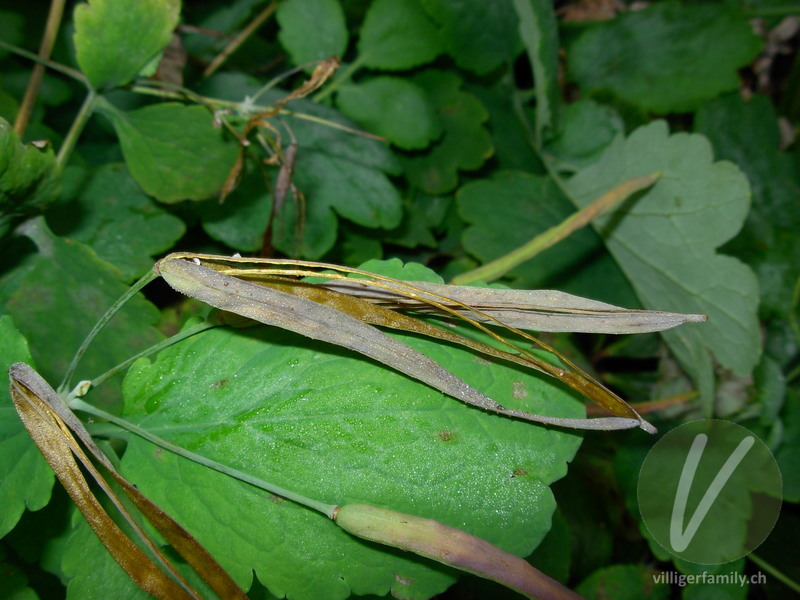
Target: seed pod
<point x="449" y="546"/>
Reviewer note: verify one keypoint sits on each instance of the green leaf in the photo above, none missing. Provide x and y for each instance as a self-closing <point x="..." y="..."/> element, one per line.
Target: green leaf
<point x="328" y="424"/>
<point x="587" y="128"/>
<point x="99" y="577"/>
<point x="29" y="178"/>
<point x="312" y="29"/>
<point x="173" y="151"/>
<point x="397" y="35"/>
<point x="240" y="221"/>
<point x="747" y="133"/>
<point x="665" y="243"/>
<point x="465" y="145"/>
<point x="26" y="479"/>
<point x="394" y="108"/>
<point x="338" y="173"/>
<point x="479" y="35"/>
<point x="623" y="582"/>
<point x="108" y="213"/>
<point x="57" y="295"/>
<point x="331" y="186"/>
<point x="513" y="147"/>
<point x="115" y="39"/>
<point x="539" y="32"/>
<point x="522" y="206"/>
<point x="668" y="57"/>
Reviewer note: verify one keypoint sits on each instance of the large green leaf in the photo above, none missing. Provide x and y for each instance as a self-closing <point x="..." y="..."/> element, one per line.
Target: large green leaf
<point x="329" y="424"/>
<point x="109" y="212"/>
<point x="299" y="18"/>
<point x="665" y="241"/>
<point x="394" y="108"/>
<point x="57" y="295"/>
<point x="173" y="151"/>
<point x="397" y="34"/>
<point x="25" y="477"/>
<point x="29" y="177"/>
<point x="479" y="35"/>
<point x="115" y="39"/>
<point x="668" y="57"/>
<point x="465" y="144"/>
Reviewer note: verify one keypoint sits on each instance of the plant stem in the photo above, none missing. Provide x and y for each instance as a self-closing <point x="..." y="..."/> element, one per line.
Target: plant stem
<point x="326" y="509"/>
<point x="68" y="71"/>
<point x="499" y="267"/>
<point x="35" y="82"/>
<point x="779" y="575"/>
<point x="240" y="39"/>
<point x="186" y="333"/>
<point x="132" y="291"/>
<point x="86" y="111"/>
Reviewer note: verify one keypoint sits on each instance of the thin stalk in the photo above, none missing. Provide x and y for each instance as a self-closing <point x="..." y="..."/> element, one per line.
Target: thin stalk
<point x="68" y="71"/>
<point x="779" y="575"/>
<point x="187" y="333"/>
<point x="240" y="39"/>
<point x="326" y="509"/>
<point x="132" y="291"/>
<point x="35" y="82"/>
<point x="86" y="111"/>
<point x="216" y="102"/>
<point x="577" y="220"/>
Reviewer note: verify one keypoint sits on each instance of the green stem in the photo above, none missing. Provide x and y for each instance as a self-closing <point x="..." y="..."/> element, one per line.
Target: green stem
<point x="499" y="267"/>
<point x="134" y="289"/>
<point x="86" y="111"/>
<point x="69" y="72"/>
<point x="186" y="333"/>
<point x="779" y="575"/>
<point x="326" y="509"/>
<point x="343" y="77"/>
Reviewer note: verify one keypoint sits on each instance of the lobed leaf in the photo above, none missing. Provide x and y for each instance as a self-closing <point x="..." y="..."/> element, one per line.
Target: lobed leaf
<point x="397" y="35"/>
<point x="666" y="242"/>
<point x="479" y="35"/>
<point x="394" y="108"/>
<point x="297" y="17"/>
<point x="329" y="424"/>
<point x="649" y="57"/>
<point x="173" y="151"/>
<point x="115" y="39"/>
<point x="465" y="144"/>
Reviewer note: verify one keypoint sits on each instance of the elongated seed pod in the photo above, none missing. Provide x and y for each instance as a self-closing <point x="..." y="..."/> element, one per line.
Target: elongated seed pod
<point x="449" y="546"/>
